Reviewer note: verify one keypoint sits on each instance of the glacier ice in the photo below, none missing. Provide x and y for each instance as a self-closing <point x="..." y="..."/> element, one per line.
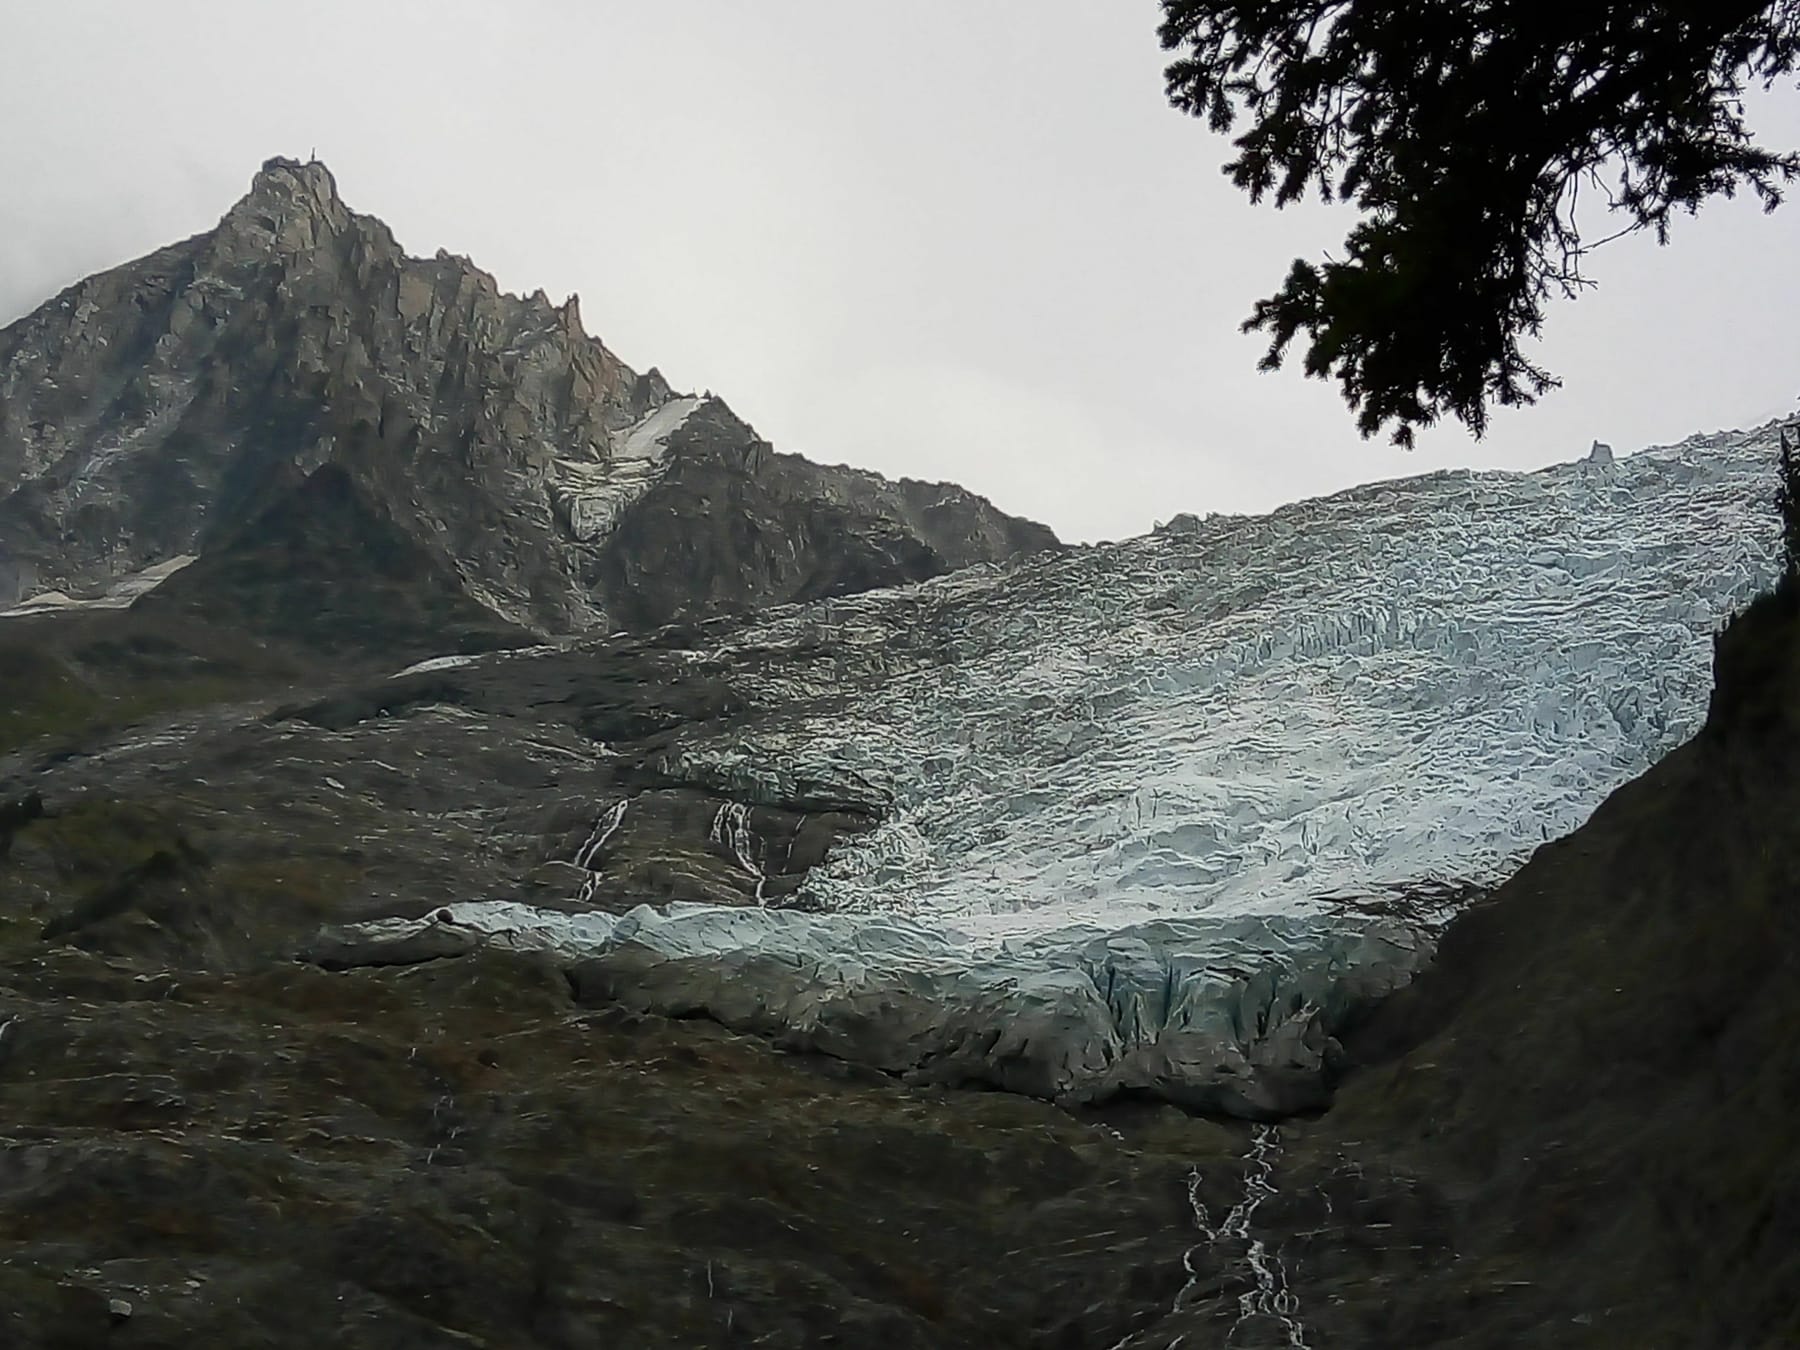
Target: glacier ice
<point x="1410" y="682"/>
<point x="1161" y="814"/>
<point x="1225" y="1013"/>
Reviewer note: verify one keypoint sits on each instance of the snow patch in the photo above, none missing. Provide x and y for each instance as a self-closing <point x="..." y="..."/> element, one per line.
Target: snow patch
<point x="589" y="495"/>
<point x="119" y="595"/>
<point x="433" y="663"/>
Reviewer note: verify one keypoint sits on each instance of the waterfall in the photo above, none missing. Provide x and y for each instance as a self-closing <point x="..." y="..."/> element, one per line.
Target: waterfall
<point x="1269" y="1296"/>
<point x="604" y="829"/>
<point x="731" y="832"/>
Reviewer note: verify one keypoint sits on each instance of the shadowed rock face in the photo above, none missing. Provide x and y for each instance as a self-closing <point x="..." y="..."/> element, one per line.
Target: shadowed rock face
<point x="735" y="526"/>
<point x="165" y="407"/>
<point x="326" y="567"/>
<point x="454" y="1153"/>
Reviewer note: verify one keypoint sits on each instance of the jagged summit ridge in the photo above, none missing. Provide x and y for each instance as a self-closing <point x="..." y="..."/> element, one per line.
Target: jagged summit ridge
<point x="151" y="410"/>
<point x="295" y="202"/>
<point x="293" y="207"/>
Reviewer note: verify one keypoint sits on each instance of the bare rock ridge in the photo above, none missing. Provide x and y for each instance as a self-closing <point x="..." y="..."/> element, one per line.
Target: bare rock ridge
<point x="167" y="406"/>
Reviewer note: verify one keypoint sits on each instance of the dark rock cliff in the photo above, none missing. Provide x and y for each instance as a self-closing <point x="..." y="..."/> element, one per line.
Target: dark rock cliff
<point x="735" y="526"/>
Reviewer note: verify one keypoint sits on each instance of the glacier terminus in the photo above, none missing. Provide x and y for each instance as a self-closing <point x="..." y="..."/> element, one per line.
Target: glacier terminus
<point x="1160" y="815"/>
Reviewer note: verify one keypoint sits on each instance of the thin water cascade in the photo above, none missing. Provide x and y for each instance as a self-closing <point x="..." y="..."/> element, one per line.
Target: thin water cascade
<point x="604" y="829"/>
<point x="1268" y="1298"/>
<point x="731" y="831"/>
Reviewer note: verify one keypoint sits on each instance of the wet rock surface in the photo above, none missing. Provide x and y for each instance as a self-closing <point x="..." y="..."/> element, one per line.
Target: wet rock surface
<point x="455" y="1154"/>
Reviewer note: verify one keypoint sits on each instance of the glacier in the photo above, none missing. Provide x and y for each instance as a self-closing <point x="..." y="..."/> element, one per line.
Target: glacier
<point x="1162" y="815"/>
<point x="1402" y="684"/>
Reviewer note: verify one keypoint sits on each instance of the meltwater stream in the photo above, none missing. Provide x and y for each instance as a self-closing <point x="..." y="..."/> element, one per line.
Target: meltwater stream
<point x="589" y="853"/>
<point x="731" y="832"/>
<point x="1269" y="1296"/>
<point x="1159" y="815"/>
<point x="1266" y="1298"/>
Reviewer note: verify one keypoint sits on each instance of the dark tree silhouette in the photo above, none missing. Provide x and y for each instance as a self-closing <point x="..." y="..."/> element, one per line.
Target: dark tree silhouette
<point x="1787" y="502"/>
<point x="1470" y="133"/>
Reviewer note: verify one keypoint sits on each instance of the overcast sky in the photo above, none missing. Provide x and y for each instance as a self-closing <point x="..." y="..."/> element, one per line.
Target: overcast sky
<point x="949" y="240"/>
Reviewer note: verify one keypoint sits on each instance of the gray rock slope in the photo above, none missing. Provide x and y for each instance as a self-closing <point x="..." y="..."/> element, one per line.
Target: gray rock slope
<point x="164" y="408"/>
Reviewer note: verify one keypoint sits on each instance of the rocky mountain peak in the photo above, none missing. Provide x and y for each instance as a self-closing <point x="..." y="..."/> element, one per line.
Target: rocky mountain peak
<point x="308" y="186"/>
<point x="290" y="212"/>
<point x="155" y="410"/>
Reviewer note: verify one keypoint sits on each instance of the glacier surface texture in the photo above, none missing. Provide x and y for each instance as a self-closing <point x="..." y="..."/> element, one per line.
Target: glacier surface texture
<point x="1157" y="815"/>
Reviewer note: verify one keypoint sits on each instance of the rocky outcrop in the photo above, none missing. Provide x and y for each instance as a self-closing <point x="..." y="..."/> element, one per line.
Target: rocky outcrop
<point x="734" y="526"/>
<point x="455" y="1153"/>
<point x="162" y="408"/>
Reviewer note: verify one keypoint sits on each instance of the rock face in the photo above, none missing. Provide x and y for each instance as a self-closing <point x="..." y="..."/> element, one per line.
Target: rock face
<point x="456" y="1154"/>
<point x="733" y="526"/>
<point x="165" y="407"/>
